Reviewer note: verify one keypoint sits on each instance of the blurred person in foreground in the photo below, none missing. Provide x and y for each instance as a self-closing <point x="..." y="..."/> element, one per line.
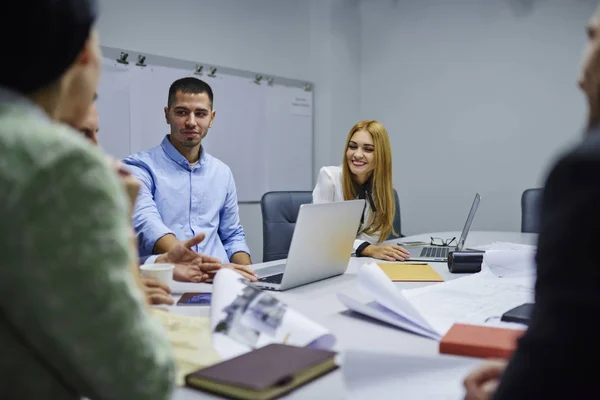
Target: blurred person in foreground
<point x="551" y="360"/>
<point x="73" y="320"/>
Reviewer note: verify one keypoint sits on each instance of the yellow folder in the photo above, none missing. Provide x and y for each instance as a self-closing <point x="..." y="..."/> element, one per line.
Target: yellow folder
<point x="410" y="272"/>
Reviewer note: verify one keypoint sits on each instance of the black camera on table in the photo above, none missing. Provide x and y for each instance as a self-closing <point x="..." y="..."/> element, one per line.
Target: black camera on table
<point x="465" y="261"/>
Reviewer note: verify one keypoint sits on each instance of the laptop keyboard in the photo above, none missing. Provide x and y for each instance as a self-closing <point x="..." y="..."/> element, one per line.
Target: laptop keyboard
<point x="272" y="278"/>
<point x="436" y="252"/>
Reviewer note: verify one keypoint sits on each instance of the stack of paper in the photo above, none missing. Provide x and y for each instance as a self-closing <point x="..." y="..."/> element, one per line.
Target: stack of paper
<point x="509" y="259"/>
<point x="190" y="340"/>
<point x="430" y="311"/>
<point x="244" y="317"/>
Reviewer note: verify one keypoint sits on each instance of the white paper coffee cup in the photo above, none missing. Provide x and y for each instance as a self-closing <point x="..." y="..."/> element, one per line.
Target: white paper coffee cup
<point x="163" y="272"/>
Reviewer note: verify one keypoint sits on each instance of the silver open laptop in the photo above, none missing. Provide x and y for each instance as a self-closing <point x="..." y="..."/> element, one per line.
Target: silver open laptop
<point x="321" y="245"/>
<point x="440" y="253"/>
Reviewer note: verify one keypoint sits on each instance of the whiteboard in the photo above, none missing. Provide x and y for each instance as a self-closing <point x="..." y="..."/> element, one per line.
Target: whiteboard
<point x="113" y="110"/>
<point x="263" y="132"/>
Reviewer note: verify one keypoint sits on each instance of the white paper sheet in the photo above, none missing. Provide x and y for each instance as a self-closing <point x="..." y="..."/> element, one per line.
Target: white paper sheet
<point x="301" y="103"/>
<point x="430" y="311"/>
<point x="510" y="260"/>
<point x="374" y="282"/>
<point x="379" y="312"/>
<point x="475" y="299"/>
<point x="369" y="376"/>
<point x="257" y="319"/>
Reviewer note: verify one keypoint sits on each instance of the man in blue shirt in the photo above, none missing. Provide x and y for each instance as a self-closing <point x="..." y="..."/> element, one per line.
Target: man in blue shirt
<point x="189" y="265"/>
<point x="184" y="190"/>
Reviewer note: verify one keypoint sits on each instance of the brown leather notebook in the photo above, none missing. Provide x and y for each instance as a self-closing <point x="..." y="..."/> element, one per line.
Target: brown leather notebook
<point x="265" y="373"/>
<point x="480" y="341"/>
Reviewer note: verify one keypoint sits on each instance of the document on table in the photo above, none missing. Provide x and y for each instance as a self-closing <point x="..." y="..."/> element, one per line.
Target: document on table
<point x="430" y="311"/>
<point x="509" y="259"/>
<point x="410" y="272"/>
<point x="244" y="317"/>
<point x="374" y="282"/>
<point x="190" y="340"/>
<point x="474" y="299"/>
<point x="370" y="376"/>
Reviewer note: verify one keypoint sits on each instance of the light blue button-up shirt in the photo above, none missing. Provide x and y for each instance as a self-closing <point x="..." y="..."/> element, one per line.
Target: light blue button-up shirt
<point x="186" y="200"/>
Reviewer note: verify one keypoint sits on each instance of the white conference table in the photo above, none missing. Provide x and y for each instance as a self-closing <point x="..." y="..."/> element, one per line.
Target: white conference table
<point x="318" y="301"/>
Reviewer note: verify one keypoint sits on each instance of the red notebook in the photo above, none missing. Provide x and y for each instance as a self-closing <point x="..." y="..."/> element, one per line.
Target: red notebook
<point x="480" y="341"/>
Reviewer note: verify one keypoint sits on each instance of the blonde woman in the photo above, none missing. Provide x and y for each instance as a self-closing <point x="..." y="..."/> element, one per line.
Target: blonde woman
<point x="365" y="173"/>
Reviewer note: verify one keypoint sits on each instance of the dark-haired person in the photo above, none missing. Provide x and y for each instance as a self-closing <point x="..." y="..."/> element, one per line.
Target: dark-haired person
<point x="73" y="320"/>
<point x="189" y="265"/>
<point x="185" y="190"/>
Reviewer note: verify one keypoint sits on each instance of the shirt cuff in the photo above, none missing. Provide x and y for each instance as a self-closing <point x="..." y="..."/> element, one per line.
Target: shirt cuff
<point x="237" y="248"/>
<point x="151" y="259"/>
<point x="360" y="248"/>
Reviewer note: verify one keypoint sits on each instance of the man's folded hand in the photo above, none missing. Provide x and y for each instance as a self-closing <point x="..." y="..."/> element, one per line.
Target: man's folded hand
<point x="190" y="266"/>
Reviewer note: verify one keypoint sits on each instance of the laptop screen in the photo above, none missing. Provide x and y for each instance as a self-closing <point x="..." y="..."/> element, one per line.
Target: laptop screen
<point x="465" y="231"/>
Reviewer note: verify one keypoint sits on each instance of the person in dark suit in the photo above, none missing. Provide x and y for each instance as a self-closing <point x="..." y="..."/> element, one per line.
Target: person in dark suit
<point x="551" y="358"/>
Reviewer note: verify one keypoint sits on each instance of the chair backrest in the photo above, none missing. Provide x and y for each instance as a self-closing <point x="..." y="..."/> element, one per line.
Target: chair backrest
<point x="397" y="224"/>
<point x="279" y="215"/>
<point x="530" y="210"/>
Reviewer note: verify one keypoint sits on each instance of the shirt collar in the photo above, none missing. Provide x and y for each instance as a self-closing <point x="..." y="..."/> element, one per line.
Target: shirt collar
<point x="176" y="156"/>
<point x="365" y="191"/>
<point x="16" y="99"/>
<point x="363" y="188"/>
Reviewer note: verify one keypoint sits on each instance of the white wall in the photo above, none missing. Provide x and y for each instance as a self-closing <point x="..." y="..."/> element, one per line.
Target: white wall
<point x="335" y="61"/>
<point x="475" y="97"/>
<point x="313" y="40"/>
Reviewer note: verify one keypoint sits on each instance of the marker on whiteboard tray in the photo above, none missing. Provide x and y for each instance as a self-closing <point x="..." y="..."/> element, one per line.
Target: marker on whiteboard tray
<point x="123" y="58"/>
<point x="141" y="60"/>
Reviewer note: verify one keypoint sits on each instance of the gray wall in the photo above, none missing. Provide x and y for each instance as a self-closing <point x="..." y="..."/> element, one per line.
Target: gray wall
<point x="477" y="95"/>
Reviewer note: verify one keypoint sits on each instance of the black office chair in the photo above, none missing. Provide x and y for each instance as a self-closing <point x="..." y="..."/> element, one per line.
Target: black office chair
<point x="530" y="210"/>
<point x="397" y="223"/>
<point x="279" y="213"/>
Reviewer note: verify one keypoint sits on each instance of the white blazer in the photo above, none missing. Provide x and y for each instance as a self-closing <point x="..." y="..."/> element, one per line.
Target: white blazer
<point x="329" y="189"/>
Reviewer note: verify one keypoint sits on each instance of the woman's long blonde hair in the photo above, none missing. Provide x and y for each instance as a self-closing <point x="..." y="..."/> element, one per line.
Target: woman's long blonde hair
<point x="382" y="187"/>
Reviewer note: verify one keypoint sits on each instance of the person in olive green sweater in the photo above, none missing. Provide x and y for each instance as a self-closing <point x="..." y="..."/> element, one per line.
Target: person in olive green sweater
<point x="73" y="320"/>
